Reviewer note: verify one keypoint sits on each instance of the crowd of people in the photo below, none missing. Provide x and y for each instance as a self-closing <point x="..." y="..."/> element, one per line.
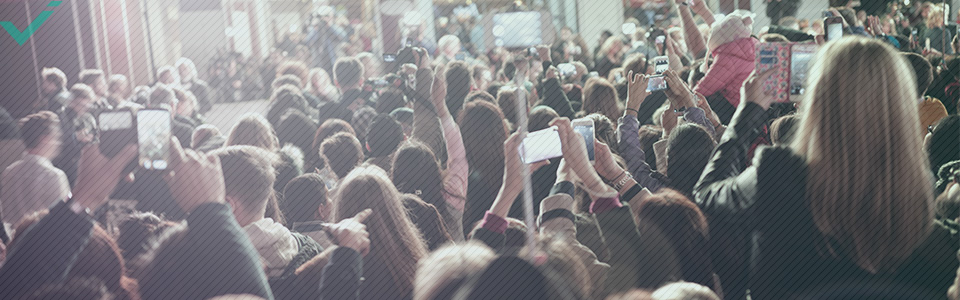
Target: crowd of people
<point x="403" y="179"/>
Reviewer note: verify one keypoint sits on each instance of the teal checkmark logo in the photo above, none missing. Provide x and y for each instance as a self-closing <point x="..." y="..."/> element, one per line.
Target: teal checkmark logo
<point x="21" y="37"/>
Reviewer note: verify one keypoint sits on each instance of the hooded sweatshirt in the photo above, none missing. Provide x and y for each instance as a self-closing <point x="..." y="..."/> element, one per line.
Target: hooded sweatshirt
<point x="733" y="51"/>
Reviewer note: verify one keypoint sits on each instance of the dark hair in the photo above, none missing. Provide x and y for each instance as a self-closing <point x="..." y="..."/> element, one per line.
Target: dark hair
<point x="605" y="131"/>
<point x="480" y="95"/>
<point x="636" y="63"/>
<point x="509" y="69"/>
<point x="681" y="222"/>
<point x="139" y="231"/>
<point x="540" y="117"/>
<point x="384" y="136"/>
<point x="923" y="70"/>
<point x="298" y="130"/>
<point x="342" y="153"/>
<point x="282" y="101"/>
<point x="288" y="166"/>
<point x="459" y="83"/>
<point x="649" y="135"/>
<point x="507" y="100"/>
<point x="347" y="71"/>
<point x="9" y="127"/>
<point x="417" y="171"/>
<point x="483" y="131"/>
<point x="302" y="197"/>
<point x="944" y="142"/>
<point x="782" y="129"/>
<point x="689" y="150"/>
<point x="327" y="129"/>
<point x="390" y="100"/>
<point x="427" y="219"/>
<point x="599" y="96"/>
<point x="35" y="127"/>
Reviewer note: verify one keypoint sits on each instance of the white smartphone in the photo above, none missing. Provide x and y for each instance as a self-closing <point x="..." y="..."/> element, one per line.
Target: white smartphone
<point x="585" y="128"/>
<point x="541" y="145"/>
<point x="153" y="135"/>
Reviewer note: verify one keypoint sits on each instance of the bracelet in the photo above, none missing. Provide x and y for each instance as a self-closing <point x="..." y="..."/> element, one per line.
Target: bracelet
<point x="633" y="110"/>
<point x="622" y="182"/>
<point x="615" y="179"/>
<point x="632" y="192"/>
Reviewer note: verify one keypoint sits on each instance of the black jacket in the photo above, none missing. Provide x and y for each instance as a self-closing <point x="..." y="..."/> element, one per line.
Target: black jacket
<point x="762" y="214"/>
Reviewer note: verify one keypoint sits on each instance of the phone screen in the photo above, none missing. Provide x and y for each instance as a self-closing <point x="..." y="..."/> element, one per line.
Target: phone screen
<point x="116" y="131"/>
<point x="799" y="65"/>
<point x="541" y="145"/>
<point x="389" y="58"/>
<point x="585" y="128"/>
<point x="834" y="31"/>
<point x="567" y="70"/>
<point x="660" y="64"/>
<point x="153" y="133"/>
<point x="656" y="83"/>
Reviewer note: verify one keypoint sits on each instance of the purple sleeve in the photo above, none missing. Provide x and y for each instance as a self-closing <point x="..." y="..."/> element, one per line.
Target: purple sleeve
<point x="697" y="116"/>
<point x="629" y="144"/>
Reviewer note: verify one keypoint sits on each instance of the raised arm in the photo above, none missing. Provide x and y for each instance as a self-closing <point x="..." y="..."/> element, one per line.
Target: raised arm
<point x="457" y="171"/>
<point x="427" y="127"/>
<point x="691" y="34"/>
<point x="629" y="135"/>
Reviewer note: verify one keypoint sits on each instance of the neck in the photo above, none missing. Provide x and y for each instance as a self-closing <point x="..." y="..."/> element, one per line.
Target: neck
<point x="39" y="151"/>
<point x="244" y="218"/>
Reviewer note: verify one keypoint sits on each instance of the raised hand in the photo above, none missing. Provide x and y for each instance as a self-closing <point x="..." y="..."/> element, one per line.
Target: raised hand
<point x="352" y="233"/>
<point x="636" y="92"/>
<point x="196" y="178"/>
<point x="575" y="157"/>
<point x="753" y="91"/>
<point x="606" y="167"/>
<point x="544" y="52"/>
<point x="98" y="175"/>
<point x="678" y="92"/>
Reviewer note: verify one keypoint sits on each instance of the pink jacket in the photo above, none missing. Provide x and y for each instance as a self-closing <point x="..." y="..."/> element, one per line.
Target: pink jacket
<point x="732" y="64"/>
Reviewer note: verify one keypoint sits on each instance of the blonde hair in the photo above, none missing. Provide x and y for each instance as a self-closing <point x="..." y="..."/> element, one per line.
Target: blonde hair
<point x="440" y="274"/>
<point x="869" y="187"/>
<point x="609" y="44"/>
<point x="396" y="245"/>
<point x="935" y="16"/>
<point x="254" y="130"/>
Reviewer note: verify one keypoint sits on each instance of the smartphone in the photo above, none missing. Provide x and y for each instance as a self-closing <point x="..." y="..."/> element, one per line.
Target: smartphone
<point x="656" y="83"/>
<point x="541" y="145"/>
<point x="834" y="26"/>
<point x="659" y="42"/>
<point x="584" y="127"/>
<point x="153" y="135"/>
<point x="661" y="64"/>
<point x="800" y="56"/>
<point x="567" y="70"/>
<point x="389" y="58"/>
<point x="927" y="46"/>
<point x="117" y="130"/>
<point x="775" y="56"/>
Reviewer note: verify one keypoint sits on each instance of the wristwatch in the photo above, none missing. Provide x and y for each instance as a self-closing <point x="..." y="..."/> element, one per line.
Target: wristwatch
<point x="622" y="182"/>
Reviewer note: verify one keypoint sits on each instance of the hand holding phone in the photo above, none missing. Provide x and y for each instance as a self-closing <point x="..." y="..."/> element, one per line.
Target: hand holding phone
<point x="153" y="134"/>
<point x="585" y="127"/>
<point x="834" y="27"/>
<point x="656" y="83"/>
<point x="541" y="145"/>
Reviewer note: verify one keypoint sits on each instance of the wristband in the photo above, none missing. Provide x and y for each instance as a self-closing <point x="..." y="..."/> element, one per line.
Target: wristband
<point x="632" y="192"/>
<point x="556" y="213"/>
<point x="633" y="110"/>
<point x="622" y="182"/>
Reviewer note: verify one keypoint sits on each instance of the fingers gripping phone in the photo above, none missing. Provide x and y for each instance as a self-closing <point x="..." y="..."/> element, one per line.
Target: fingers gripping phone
<point x="541" y="145"/>
<point x="153" y="135"/>
<point x="585" y="128"/>
<point x="117" y="130"/>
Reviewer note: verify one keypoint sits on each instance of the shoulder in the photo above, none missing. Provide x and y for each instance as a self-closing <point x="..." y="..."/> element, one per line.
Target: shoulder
<point x="779" y="166"/>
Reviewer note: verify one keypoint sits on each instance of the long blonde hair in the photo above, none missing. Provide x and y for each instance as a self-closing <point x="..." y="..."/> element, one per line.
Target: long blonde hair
<point x="254" y="130"/>
<point x="935" y="16"/>
<point x="868" y="188"/>
<point x="396" y="244"/>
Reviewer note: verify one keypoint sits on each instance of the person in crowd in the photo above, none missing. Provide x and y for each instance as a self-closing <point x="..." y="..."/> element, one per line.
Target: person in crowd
<point x="931" y="109"/>
<point x="383" y="138"/>
<point x="599" y="96"/>
<point x="120" y="92"/>
<point x="137" y="237"/>
<point x="253" y="130"/>
<point x="341" y="153"/>
<point x="348" y="76"/>
<point x="169" y="76"/>
<point x="459" y="82"/>
<point x="448" y="50"/>
<point x="53" y="90"/>
<point x="427" y="220"/>
<point x="361" y="121"/>
<point x="97" y="81"/>
<point x="187" y="112"/>
<point x="483" y="130"/>
<point x="441" y="274"/>
<point x="305" y="200"/>
<point x="610" y="55"/>
<point x="321" y="87"/>
<point x="249" y="178"/>
<point x="390" y="100"/>
<point x="296" y="129"/>
<point x="207" y="138"/>
<point x="78" y="129"/>
<point x="732" y="49"/>
<point x="943" y="143"/>
<point x="33" y="183"/>
<point x="323" y="36"/>
<point x="391" y="264"/>
<point x="165" y="98"/>
<point x="936" y="32"/>
<point x="283" y="101"/>
<point x="815" y="214"/>
<point x="783" y="130"/>
<point x="190" y="81"/>
<point x="327" y="129"/>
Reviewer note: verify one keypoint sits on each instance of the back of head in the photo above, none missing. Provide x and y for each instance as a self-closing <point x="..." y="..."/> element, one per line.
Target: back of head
<point x="90" y="76"/>
<point x="852" y="150"/>
<point x="681" y="222"/>
<point x="599" y="96"/>
<point x="732" y="27"/>
<point x="441" y="274"/>
<point x="783" y="129"/>
<point x="291" y="80"/>
<point x="342" y="153"/>
<point x="636" y="63"/>
<point x="248" y="175"/>
<point x="459" y="83"/>
<point x="85" y="92"/>
<point x="283" y="100"/>
<point x="162" y="97"/>
<point x="922" y="69"/>
<point x="185" y="64"/>
<point x="481" y="124"/>
<point x="945" y="142"/>
<point x="390" y="100"/>
<point x="347" y="72"/>
<point x="384" y="136"/>
<point x="689" y="149"/>
<point x="510" y="277"/>
<point x="684" y="291"/>
<point x="540" y="117"/>
<point x="295" y="68"/>
<point x="397" y="245"/>
<point x="296" y="129"/>
<point x="507" y="100"/>
<point x="605" y="131"/>
<point x="253" y="130"/>
<point x="417" y="171"/>
<point x="302" y="198"/>
<point x="36" y="127"/>
<point x="54" y="76"/>
<point x="427" y="219"/>
<point x="204" y="134"/>
<point x="361" y="121"/>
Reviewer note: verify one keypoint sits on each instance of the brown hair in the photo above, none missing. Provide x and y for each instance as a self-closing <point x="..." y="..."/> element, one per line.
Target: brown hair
<point x="483" y="131"/>
<point x="295" y="68"/>
<point x="248" y="175"/>
<point x="507" y="100"/>
<point x="599" y="96"/>
<point x="253" y="130"/>
<point x="342" y="152"/>
<point x="35" y="127"/>
<point x="348" y="71"/>
<point x="397" y="245"/>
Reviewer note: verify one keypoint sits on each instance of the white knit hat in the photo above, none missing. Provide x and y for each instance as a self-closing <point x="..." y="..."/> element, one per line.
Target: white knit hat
<point x="736" y="25"/>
